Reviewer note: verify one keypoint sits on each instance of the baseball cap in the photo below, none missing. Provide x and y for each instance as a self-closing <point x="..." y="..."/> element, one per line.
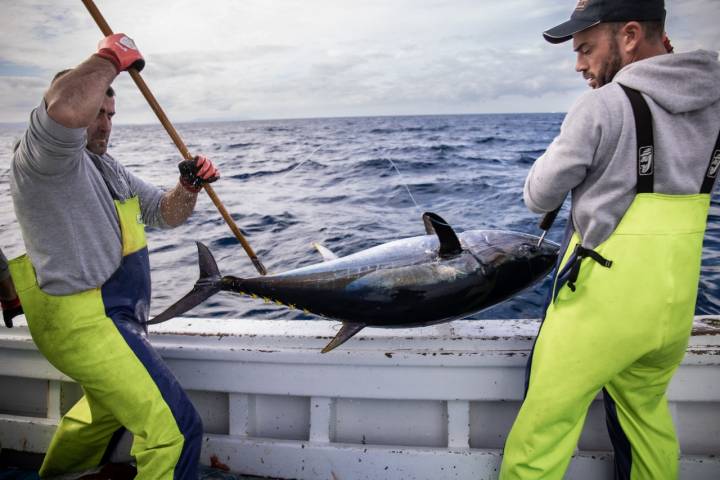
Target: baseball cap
<point x="589" y="13"/>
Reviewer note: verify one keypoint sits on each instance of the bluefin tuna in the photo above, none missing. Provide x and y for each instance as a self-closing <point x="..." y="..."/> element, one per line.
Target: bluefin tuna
<point x="417" y="281"/>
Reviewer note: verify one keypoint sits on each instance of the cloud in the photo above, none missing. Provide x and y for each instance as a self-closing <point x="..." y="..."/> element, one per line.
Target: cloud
<point x="224" y="59"/>
<point x="19" y="96"/>
<point x="693" y="24"/>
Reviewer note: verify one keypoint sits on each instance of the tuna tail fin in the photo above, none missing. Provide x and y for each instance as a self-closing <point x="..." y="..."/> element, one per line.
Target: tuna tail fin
<point x="345" y="333"/>
<point x="207" y="285"/>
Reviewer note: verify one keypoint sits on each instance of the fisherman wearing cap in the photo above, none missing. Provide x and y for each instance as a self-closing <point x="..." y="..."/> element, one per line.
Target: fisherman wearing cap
<point x="85" y="281"/>
<point x="640" y="153"/>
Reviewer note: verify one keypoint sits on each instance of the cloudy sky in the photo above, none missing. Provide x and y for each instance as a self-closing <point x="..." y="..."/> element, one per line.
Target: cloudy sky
<point x="258" y="59"/>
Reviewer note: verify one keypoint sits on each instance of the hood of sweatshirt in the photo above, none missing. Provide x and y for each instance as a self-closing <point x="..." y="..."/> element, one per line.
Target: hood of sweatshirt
<point x="678" y="82"/>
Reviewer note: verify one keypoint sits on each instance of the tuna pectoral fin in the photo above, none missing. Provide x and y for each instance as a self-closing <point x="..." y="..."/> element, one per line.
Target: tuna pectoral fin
<point x="207" y="285"/>
<point x="347" y="331"/>
<point x="326" y="253"/>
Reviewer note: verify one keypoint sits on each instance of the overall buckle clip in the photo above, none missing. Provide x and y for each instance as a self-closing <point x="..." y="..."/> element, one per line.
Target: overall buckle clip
<point x="579" y="253"/>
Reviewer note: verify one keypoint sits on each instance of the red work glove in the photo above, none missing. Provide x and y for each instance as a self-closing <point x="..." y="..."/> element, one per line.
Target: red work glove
<point x="10" y="309"/>
<point x="121" y="51"/>
<point x="197" y="172"/>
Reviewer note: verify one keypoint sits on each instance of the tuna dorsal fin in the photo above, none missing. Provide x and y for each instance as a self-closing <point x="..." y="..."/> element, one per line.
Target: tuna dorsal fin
<point x="345" y="333"/>
<point x="449" y="243"/>
<point x="326" y="253"/>
<point x="428" y="223"/>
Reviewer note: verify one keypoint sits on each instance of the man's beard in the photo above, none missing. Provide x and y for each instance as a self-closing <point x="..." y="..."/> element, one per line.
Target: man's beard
<point x="98" y="147"/>
<point x="611" y="67"/>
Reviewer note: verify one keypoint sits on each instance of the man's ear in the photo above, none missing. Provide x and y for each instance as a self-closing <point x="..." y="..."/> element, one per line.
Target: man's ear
<point x="630" y="37"/>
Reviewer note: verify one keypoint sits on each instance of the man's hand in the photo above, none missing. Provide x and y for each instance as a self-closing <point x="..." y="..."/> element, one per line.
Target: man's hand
<point x="197" y="172"/>
<point x="11" y="309"/>
<point x="121" y="51"/>
<point x="177" y="204"/>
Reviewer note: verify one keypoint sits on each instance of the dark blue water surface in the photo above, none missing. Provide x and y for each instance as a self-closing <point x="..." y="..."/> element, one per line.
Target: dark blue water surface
<point x="289" y="183"/>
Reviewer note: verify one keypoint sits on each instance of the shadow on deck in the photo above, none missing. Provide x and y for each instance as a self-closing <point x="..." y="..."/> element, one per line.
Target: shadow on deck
<point x="16" y="465"/>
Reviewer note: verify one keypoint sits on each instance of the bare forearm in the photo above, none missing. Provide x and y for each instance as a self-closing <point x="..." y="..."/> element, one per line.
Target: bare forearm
<point x="177" y="205"/>
<point x="75" y="98"/>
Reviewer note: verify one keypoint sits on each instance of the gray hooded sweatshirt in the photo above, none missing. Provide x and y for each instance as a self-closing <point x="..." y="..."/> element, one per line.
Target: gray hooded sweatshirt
<point x="63" y="196"/>
<point x="594" y="157"/>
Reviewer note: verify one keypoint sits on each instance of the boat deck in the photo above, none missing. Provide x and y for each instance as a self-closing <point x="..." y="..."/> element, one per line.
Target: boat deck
<point x="206" y="473"/>
<point x="16" y="465"/>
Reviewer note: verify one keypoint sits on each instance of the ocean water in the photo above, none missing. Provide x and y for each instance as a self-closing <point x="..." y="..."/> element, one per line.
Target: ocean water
<point x="348" y="183"/>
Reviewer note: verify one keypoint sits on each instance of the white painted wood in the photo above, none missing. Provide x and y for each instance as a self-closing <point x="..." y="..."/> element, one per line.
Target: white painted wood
<point x="307" y="461"/>
<point x="458" y="423"/>
<point x="241" y="414"/>
<point x="54" y="399"/>
<point x="322" y="419"/>
<point x="26" y="434"/>
<point x="433" y="402"/>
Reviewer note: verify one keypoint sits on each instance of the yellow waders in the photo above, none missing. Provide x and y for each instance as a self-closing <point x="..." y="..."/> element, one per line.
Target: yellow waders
<point x="96" y="338"/>
<point x="620" y="324"/>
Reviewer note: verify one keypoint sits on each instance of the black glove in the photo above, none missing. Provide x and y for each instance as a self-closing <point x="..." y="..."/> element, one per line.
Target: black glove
<point x="197" y="172"/>
<point x="11" y="309"/>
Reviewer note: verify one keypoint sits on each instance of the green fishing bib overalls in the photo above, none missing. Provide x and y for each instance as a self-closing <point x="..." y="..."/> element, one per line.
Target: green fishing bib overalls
<point x="619" y="321"/>
<point x="96" y="337"/>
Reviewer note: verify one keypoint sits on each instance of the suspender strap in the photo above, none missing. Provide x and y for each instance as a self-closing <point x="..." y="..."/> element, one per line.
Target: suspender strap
<point x="113" y="192"/>
<point x="569" y="273"/>
<point x="712" y="169"/>
<point x="645" y="142"/>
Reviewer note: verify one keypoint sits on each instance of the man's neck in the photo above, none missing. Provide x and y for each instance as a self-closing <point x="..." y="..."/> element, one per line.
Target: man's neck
<point x="649" y="50"/>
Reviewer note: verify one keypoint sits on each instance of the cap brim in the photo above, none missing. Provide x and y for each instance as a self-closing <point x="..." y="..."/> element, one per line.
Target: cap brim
<point x="565" y="31"/>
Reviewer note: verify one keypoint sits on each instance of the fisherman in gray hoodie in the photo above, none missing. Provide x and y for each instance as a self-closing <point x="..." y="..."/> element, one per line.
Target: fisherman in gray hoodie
<point x="640" y="153"/>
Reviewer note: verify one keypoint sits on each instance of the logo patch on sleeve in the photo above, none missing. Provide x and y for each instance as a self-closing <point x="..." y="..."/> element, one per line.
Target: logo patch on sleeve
<point x="646" y="160"/>
<point x="714" y="165"/>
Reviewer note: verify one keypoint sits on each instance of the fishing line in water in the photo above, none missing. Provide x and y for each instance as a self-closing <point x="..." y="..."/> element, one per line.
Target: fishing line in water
<point x="397" y="170"/>
<point x="299" y="164"/>
<point x="402" y="179"/>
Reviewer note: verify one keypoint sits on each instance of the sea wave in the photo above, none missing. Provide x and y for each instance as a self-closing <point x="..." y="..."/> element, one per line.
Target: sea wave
<point x="348" y="183"/>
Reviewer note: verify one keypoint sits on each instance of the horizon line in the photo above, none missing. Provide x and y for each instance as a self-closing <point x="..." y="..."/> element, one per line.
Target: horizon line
<point x="340" y="117"/>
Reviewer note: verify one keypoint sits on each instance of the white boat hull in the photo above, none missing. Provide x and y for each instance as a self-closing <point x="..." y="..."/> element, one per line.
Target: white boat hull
<point x="425" y="403"/>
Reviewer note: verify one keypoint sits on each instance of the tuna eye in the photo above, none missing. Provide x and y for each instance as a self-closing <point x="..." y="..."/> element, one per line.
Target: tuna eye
<point x="527" y="249"/>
